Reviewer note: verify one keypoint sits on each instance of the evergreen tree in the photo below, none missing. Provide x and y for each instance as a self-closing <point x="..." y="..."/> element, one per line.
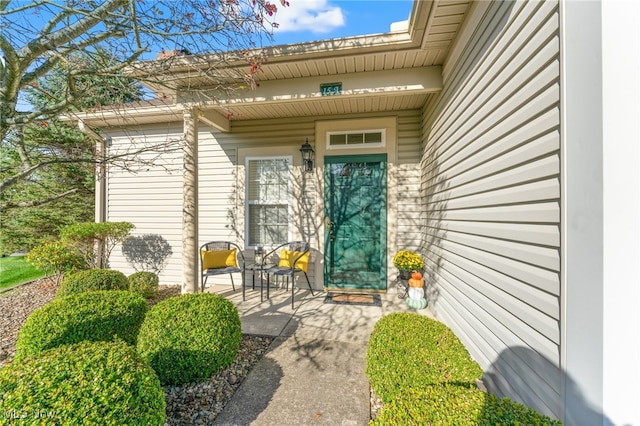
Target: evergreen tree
<point x="62" y="191"/>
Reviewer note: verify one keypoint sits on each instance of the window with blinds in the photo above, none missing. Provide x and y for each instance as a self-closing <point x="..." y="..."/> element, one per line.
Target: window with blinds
<point x="268" y="200"/>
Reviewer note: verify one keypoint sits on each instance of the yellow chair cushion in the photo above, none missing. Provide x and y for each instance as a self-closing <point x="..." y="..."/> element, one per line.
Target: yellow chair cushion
<point x="213" y="259"/>
<point x="288" y="256"/>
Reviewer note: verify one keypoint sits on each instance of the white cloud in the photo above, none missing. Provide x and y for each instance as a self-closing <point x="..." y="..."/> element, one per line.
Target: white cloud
<point x="317" y="16"/>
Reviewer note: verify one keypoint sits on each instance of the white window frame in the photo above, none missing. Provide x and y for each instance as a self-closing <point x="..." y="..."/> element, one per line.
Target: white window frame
<point x="288" y="202"/>
<point x="363" y="145"/>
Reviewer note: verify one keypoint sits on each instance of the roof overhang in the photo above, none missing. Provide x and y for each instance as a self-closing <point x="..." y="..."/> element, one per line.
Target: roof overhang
<point x="380" y="72"/>
<point x="139" y="114"/>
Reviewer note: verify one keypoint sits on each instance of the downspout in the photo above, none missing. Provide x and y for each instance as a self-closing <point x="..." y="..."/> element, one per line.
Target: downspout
<point x="100" y="190"/>
<point x="101" y="181"/>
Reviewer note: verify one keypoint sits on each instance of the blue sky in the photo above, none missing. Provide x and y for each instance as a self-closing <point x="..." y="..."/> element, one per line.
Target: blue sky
<point x="310" y="20"/>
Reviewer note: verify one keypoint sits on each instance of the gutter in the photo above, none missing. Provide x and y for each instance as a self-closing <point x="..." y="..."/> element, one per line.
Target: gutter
<point x="128" y="115"/>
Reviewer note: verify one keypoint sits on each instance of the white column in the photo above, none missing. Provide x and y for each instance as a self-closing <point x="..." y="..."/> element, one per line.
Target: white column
<point x="190" y="255"/>
<point x="100" y="189"/>
<point x="601" y="212"/>
<point x="100" y="195"/>
<point x="621" y="173"/>
<point x="582" y="206"/>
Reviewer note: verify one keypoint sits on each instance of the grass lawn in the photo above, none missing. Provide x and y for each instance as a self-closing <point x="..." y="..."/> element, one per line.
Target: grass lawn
<point x="16" y="270"/>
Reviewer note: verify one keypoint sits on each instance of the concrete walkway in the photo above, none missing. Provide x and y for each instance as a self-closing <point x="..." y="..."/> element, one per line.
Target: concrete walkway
<point x="314" y="371"/>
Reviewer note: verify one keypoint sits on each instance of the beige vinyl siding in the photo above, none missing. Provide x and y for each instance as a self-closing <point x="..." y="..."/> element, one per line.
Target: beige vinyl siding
<point x="221" y="183"/>
<point x="222" y="177"/>
<point x="152" y="199"/>
<point x="222" y="189"/>
<point x="217" y="192"/>
<point x="407" y="188"/>
<point x="217" y="195"/>
<point x="491" y="188"/>
<point x="149" y="196"/>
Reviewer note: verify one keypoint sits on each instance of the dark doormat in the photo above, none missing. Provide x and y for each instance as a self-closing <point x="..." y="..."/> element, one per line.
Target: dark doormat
<point x="353" y="299"/>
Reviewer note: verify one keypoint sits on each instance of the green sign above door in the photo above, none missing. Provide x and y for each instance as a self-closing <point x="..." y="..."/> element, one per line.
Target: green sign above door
<point x="330" y="89"/>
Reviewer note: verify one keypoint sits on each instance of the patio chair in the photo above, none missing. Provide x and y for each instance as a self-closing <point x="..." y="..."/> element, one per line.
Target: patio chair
<point x="293" y="259"/>
<point x="219" y="258"/>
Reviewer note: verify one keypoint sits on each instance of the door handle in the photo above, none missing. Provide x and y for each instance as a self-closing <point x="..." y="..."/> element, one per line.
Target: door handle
<point x="329" y="224"/>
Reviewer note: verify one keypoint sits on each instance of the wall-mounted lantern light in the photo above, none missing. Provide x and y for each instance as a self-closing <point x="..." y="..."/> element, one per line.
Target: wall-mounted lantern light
<point x="307" y="156"/>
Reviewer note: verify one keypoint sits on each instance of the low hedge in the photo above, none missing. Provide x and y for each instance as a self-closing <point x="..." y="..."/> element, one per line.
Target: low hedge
<point x="190" y="337"/>
<point x="408" y="350"/>
<point x="456" y="406"/>
<point x="425" y="376"/>
<point x="92" y="280"/>
<point x="103" y="383"/>
<point x="145" y="283"/>
<point x="94" y="316"/>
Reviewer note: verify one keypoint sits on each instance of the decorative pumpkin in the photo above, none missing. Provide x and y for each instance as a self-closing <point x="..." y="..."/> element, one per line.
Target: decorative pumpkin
<point x="416" y="275"/>
<point x="416" y="303"/>
<point x="417" y="283"/>
<point x="415" y="293"/>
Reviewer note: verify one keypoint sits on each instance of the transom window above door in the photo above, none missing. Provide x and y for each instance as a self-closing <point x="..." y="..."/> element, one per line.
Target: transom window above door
<point x="356" y="139"/>
<point x="268" y="200"/>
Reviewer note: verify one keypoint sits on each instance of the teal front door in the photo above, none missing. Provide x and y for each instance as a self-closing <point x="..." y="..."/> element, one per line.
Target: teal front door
<point x="355" y="222"/>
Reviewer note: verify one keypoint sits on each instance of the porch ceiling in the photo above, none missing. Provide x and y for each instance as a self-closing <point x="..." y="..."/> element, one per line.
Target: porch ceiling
<point x="334" y="105"/>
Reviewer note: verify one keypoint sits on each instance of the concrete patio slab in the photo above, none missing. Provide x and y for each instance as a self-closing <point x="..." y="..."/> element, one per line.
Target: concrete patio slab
<point x="314" y="371"/>
<point x="303" y="382"/>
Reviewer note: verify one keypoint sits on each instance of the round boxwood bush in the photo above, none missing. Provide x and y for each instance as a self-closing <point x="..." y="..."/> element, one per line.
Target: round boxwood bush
<point x="98" y="383"/>
<point x="410" y="350"/>
<point x="94" y="316"/>
<point x="92" y="280"/>
<point x="145" y="283"/>
<point x="456" y="406"/>
<point x="190" y="337"/>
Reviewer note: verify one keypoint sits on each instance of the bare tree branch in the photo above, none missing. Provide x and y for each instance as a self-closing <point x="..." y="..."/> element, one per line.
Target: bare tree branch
<point x="35" y="50"/>
<point x="54" y="40"/>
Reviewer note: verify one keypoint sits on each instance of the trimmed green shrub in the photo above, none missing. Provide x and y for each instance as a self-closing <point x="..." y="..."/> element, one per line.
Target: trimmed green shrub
<point x="94" y="316"/>
<point x="424" y="376"/>
<point x="92" y="280"/>
<point x="87" y="383"/>
<point x="55" y="257"/>
<point x="190" y="337"/>
<point x="505" y="411"/>
<point x="145" y="283"/>
<point x="408" y="350"/>
<point x="84" y="236"/>
<point x="456" y="406"/>
<point x="439" y="404"/>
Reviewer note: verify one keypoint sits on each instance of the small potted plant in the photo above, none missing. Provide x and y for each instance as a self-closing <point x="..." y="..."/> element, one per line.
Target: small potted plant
<point x="407" y="261"/>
